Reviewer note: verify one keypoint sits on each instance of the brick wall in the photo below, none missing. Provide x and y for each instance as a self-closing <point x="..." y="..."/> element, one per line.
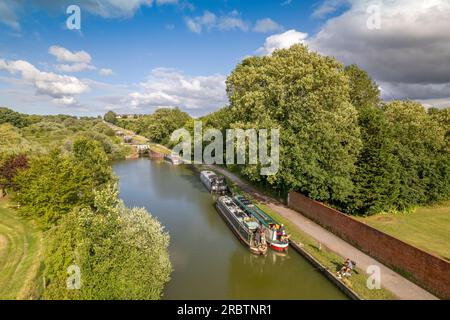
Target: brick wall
<point x="427" y="270"/>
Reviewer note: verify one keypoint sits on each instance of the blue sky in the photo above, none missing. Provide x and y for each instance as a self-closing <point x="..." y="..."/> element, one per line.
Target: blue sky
<point x="130" y="56"/>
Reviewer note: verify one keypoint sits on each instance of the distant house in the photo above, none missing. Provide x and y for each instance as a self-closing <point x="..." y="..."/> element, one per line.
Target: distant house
<point x="128" y="139"/>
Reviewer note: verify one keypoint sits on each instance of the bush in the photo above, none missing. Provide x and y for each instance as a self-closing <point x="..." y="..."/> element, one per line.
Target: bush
<point x="121" y="253"/>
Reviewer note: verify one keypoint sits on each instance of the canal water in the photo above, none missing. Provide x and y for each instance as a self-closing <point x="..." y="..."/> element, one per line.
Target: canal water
<point x="208" y="260"/>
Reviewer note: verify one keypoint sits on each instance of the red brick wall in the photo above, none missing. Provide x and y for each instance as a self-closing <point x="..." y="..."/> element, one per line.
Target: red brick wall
<point x="428" y="271"/>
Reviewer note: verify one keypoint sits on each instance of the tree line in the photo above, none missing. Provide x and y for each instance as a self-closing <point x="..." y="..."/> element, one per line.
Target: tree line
<point x="340" y="143"/>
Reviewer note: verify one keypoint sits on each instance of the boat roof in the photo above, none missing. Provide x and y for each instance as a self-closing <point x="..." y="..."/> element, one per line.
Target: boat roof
<point x="252" y="225"/>
<point x="229" y="202"/>
<point x="259" y="214"/>
<point x="209" y="174"/>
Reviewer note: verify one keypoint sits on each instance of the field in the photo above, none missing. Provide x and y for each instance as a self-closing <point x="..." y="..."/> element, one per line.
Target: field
<point x="427" y="228"/>
<point x="20" y="255"/>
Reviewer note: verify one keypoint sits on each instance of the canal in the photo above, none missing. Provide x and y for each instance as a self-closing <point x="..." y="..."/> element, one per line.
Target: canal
<point x="208" y="260"/>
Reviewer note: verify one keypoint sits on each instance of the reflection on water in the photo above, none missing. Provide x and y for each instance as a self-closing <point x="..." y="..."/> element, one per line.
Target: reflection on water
<point x="209" y="262"/>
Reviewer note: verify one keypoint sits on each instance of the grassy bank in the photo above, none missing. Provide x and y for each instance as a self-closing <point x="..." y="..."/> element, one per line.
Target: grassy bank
<point x="427" y="228"/>
<point x="160" y="149"/>
<point x="20" y="255"/>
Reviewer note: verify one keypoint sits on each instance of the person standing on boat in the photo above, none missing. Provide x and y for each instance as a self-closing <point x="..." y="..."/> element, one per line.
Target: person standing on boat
<point x="258" y="237"/>
<point x="274" y="233"/>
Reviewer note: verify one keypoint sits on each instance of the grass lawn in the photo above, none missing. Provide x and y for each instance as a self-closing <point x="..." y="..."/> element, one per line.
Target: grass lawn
<point x="20" y="255"/>
<point x="427" y="228"/>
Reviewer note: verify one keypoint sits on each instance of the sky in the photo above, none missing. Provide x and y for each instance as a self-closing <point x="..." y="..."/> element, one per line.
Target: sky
<point x="134" y="56"/>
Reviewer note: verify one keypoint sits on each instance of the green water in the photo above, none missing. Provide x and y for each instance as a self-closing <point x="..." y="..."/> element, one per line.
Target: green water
<point x="208" y="260"/>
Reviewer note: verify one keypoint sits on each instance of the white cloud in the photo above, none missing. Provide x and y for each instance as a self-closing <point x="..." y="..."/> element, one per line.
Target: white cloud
<point x="266" y="25"/>
<point x="60" y="87"/>
<point x="75" y="61"/>
<point x="104" y="72"/>
<point x="65" y="55"/>
<point x="231" y="21"/>
<point x="282" y="41"/>
<point x="172" y="88"/>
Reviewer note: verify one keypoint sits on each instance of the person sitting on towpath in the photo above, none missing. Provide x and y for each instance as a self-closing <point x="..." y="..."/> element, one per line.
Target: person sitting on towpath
<point x="346" y="270"/>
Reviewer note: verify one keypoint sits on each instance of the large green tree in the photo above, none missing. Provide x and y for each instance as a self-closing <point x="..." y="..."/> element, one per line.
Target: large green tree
<point x="57" y="182"/>
<point x="307" y="96"/>
<point x="120" y="253"/>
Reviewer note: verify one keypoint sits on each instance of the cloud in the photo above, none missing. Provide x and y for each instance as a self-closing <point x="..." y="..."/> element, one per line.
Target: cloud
<point x="327" y="7"/>
<point x="282" y="41"/>
<point x="266" y="25"/>
<point x="104" y="72"/>
<point x="76" y="67"/>
<point x="409" y="55"/>
<point x="75" y="61"/>
<point x="231" y="21"/>
<point x="61" y="88"/>
<point x="8" y="14"/>
<point x="107" y="8"/>
<point x="196" y="24"/>
<point x="65" y="55"/>
<point x="172" y="88"/>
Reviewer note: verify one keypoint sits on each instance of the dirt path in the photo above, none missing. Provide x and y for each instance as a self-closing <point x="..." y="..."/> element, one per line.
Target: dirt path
<point x="392" y="281"/>
<point x="20" y="255"/>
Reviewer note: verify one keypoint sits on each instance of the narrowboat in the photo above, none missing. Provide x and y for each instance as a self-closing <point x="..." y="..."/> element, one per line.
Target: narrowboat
<point x="246" y="228"/>
<point x="275" y="233"/>
<point x="173" y="159"/>
<point x="213" y="182"/>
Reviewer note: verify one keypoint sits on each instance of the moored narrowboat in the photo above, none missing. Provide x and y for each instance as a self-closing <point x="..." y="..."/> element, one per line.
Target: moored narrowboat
<point x="214" y="183"/>
<point x="173" y="159"/>
<point x="275" y="232"/>
<point x="246" y="228"/>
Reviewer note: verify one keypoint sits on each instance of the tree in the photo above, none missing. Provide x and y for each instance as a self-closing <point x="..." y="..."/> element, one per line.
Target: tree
<point x="57" y="182"/>
<point x="159" y="126"/>
<point x="110" y="117"/>
<point x="16" y="119"/>
<point x="421" y="148"/>
<point x="307" y="96"/>
<point x="9" y="168"/>
<point x="364" y="92"/>
<point x="377" y="177"/>
<point x="122" y="253"/>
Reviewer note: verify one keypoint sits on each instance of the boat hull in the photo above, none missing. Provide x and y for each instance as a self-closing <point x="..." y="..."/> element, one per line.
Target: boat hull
<point x="279" y="247"/>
